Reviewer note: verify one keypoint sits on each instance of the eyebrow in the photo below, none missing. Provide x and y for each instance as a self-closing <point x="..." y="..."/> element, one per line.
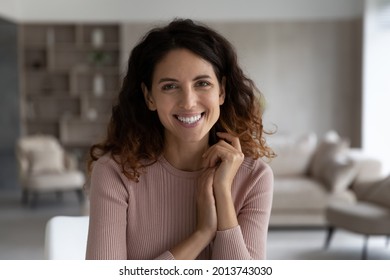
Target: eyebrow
<point x="162" y="80"/>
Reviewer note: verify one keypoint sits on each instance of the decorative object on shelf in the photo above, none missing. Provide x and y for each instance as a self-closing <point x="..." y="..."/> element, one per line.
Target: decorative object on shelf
<point x="30" y="110"/>
<point x="50" y="36"/>
<point x="92" y="114"/>
<point x="37" y="64"/>
<point x="97" y="37"/>
<point x="36" y="59"/>
<point x="98" y="85"/>
<point x="99" y="58"/>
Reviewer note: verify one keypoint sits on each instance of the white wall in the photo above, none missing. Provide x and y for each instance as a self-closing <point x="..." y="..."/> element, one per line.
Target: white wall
<point x="376" y="86"/>
<point x="152" y="10"/>
<point x="308" y="72"/>
<point x="9" y="9"/>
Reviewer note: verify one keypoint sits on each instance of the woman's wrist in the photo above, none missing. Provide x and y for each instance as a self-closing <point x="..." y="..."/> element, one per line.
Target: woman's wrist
<point x="226" y="213"/>
<point x="222" y="189"/>
<point x="191" y="247"/>
<point x="205" y="235"/>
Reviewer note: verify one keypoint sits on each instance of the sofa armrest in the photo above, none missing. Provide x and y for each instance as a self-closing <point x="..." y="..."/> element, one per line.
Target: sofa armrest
<point x="347" y="196"/>
<point x="369" y="167"/>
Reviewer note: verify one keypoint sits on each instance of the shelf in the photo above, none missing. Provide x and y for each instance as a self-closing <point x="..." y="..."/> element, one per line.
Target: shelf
<point x="50" y="128"/>
<point x="81" y="132"/>
<point x="59" y="68"/>
<point x="103" y="33"/>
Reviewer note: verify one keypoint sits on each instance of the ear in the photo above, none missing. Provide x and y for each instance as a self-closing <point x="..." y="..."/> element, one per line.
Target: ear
<point x="222" y="93"/>
<point x="148" y="98"/>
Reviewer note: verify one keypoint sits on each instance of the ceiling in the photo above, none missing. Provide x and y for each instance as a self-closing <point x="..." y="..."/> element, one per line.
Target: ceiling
<point x="149" y="10"/>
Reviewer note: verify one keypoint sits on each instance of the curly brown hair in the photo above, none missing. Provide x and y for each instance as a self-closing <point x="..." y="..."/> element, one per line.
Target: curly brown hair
<point x="135" y="135"/>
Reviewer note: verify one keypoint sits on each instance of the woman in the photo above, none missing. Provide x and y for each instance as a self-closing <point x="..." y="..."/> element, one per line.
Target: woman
<point x="180" y="174"/>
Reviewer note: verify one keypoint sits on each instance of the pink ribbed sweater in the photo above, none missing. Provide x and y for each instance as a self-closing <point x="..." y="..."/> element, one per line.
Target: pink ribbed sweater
<point x="144" y="220"/>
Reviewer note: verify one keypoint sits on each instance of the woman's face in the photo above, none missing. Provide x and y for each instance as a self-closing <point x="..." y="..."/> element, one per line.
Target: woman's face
<point x="187" y="96"/>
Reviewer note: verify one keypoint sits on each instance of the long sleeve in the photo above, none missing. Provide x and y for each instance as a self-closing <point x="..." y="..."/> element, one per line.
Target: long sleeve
<point x="249" y="239"/>
<point x="108" y="214"/>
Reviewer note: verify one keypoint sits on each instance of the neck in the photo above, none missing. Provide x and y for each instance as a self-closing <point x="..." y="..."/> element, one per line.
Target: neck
<point x="186" y="156"/>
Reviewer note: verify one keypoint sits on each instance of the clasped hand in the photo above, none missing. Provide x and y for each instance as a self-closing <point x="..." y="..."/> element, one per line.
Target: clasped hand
<point x="221" y="162"/>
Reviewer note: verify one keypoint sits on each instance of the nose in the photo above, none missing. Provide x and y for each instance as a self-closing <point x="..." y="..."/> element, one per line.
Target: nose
<point x="188" y="98"/>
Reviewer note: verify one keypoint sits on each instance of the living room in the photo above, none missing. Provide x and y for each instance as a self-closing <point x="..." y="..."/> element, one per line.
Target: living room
<point x="320" y="64"/>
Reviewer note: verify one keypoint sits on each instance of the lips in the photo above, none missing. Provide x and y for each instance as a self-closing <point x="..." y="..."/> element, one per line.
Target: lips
<point x="189" y="119"/>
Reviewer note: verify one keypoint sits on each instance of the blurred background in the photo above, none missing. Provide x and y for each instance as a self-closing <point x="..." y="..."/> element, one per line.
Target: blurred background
<point x="321" y="65"/>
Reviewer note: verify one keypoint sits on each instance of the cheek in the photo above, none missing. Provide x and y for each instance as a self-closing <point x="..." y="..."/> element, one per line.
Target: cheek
<point x="163" y="108"/>
<point x="163" y="104"/>
<point x="215" y="101"/>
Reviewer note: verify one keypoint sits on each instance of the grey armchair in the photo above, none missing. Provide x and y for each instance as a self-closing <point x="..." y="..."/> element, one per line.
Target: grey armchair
<point x="44" y="166"/>
<point x="368" y="214"/>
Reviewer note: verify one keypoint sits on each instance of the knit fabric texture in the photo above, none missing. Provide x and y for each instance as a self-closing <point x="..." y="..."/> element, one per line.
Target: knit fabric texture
<point x="144" y="220"/>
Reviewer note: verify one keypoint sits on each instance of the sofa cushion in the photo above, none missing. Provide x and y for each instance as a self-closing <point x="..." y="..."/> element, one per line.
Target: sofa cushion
<point x="46" y="161"/>
<point x="338" y="173"/>
<point x="293" y="153"/>
<point x="380" y="193"/>
<point x="299" y="193"/>
<point x="329" y="147"/>
<point x="43" y="154"/>
<point x="331" y="164"/>
<point x="67" y="180"/>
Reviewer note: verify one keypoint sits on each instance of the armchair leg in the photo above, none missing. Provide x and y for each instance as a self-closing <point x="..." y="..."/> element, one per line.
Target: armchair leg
<point x="365" y="244"/>
<point x="329" y="236"/>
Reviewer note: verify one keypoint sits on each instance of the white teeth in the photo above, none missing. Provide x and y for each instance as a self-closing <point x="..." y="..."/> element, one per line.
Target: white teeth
<point x="189" y="120"/>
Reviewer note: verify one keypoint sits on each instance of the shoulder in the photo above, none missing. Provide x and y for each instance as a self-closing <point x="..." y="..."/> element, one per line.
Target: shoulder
<point x="253" y="182"/>
<point x="105" y="161"/>
<point x="256" y="167"/>
<point x="112" y="167"/>
<point x="255" y="172"/>
<point x="106" y="166"/>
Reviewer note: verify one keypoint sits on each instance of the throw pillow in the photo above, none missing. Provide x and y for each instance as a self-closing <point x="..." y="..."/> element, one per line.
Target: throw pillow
<point x="330" y="147"/>
<point x="46" y="161"/>
<point x="293" y="153"/>
<point x="380" y="193"/>
<point x="339" y="173"/>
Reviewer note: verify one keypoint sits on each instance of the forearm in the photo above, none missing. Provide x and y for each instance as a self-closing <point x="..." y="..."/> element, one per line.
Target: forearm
<point x="226" y="213"/>
<point x="191" y="247"/>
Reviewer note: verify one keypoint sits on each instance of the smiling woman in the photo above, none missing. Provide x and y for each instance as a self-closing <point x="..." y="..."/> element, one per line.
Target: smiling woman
<point x="180" y="174"/>
<point x="187" y="100"/>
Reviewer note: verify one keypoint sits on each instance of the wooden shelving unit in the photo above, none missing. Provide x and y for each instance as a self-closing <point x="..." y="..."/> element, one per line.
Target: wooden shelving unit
<point x="70" y="78"/>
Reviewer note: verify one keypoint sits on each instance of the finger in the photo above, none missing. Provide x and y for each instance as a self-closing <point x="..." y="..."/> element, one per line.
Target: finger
<point x="234" y="141"/>
<point x="206" y="180"/>
<point x="215" y="147"/>
<point x="216" y="154"/>
<point x="207" y="176"/>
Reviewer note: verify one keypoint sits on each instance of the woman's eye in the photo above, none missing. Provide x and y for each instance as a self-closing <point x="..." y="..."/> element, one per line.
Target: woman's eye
<point x="202" y="84"/>
<point x="169" y="87"/>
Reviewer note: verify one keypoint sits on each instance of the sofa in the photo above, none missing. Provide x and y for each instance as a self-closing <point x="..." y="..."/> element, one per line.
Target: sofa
<point x="311" y="171"/>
